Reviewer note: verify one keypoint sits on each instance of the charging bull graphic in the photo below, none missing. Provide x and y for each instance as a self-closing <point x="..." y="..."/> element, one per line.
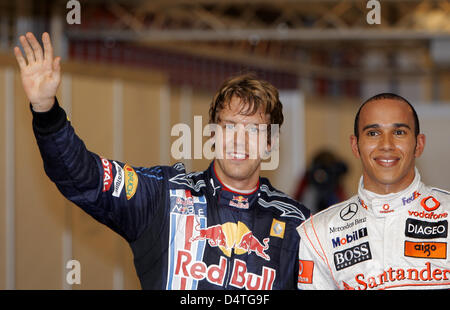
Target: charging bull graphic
<point x="233" y="237"/>
<point x="214" y="235"/>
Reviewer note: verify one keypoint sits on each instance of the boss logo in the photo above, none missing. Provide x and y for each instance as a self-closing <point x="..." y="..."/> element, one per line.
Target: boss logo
<point x="352" y="256"/>
<point x="426" y="230"/>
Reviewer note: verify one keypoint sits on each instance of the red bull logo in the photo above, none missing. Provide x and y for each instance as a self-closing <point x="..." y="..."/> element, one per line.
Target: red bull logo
<point x="240" y="202"/>
<point x="188" y="268"/>
<point x="184" y="205"/>
<point x="251" y="244"/>
<point x="213" y="234"/>
<point x="233" y="237"/>
<point x="216" y="274"/>
<point x="241" y="278"/>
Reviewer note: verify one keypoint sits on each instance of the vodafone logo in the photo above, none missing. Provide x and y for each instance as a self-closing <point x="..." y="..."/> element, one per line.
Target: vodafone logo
<point x="430" y="203"/>
<point x="386" y="208"/>
<point x="305" y="272"/>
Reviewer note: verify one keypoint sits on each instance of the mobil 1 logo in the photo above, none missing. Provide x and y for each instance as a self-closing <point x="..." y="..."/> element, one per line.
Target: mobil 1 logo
<point x="352" y="256"/>
<point x="360" y="233"/>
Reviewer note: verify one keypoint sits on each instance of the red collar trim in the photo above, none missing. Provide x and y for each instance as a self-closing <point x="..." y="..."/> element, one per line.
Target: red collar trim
<point x="230" y="190"/>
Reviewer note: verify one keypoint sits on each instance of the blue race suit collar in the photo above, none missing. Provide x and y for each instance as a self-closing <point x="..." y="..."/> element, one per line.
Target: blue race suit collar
<point x="231" y="197"/>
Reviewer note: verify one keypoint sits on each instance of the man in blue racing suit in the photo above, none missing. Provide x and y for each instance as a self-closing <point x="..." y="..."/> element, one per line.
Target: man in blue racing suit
<point x="223" y="228"/>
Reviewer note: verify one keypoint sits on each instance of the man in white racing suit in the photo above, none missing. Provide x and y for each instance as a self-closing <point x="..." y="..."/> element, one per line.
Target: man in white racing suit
<point x="394" y="233"/>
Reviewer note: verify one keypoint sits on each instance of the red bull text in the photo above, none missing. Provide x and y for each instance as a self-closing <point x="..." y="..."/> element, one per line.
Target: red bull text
<point x="190" y="236"/>
<point x="215" y="274"/>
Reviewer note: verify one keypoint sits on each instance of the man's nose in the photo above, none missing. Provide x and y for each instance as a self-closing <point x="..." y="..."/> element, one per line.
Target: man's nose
<point x="387" y="142"/>
<point x="240" y="134"/>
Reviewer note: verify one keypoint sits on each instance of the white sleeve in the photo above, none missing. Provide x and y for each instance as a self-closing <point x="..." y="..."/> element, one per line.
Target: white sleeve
<point x="314" y="267"/>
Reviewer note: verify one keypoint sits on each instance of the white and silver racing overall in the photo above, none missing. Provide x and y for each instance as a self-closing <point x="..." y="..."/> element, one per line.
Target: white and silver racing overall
<point x="371" y="241"/>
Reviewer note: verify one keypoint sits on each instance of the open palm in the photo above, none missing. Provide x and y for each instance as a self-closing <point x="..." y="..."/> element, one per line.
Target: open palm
<point x="40" y="72"/>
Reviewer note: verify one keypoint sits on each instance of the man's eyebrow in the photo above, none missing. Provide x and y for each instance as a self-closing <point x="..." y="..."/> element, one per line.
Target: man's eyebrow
<point x="398" y="125"/>
<point x="395" y="125"/>
<point x="228" y="121"/>
<point x="371" y="126"/>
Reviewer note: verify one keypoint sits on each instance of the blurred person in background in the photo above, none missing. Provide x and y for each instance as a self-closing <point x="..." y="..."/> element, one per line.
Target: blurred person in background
<point x="321" y="185"/>
<point x="223" y="228"/>
<point x="394" y="232"/>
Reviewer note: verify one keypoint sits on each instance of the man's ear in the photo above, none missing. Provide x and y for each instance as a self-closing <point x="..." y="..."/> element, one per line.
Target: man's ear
<point x="354" y="146"/>
<point x="420" y="145"/>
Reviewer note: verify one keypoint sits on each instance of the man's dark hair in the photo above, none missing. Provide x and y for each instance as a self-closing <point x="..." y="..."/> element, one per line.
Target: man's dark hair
<point x="387" y="96"/>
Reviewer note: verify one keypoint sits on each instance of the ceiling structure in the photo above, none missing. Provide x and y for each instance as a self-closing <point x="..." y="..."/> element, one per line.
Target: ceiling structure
<point x="329" y="39"/>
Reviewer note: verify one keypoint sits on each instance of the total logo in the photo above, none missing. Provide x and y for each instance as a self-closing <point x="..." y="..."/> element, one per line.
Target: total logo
<point x="107" y="174"/>
<point x="356" y="235"/>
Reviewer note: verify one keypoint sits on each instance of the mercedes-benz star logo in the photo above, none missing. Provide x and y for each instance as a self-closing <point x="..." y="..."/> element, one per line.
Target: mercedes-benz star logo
<point x="349" y="211"/>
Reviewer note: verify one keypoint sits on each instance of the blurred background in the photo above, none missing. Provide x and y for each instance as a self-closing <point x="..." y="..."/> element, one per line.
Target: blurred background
<point x="133" y="69"/>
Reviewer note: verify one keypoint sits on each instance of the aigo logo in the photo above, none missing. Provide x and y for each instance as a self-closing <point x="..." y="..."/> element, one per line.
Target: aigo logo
<point x="426" y="249"/>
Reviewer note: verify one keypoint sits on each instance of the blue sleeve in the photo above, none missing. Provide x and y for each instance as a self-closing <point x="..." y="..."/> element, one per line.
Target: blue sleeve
<point x="123" y="197"/>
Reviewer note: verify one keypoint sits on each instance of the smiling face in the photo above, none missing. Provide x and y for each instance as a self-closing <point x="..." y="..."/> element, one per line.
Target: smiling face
<point x="387" y="145"/>
<point x="239" y="166"/>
